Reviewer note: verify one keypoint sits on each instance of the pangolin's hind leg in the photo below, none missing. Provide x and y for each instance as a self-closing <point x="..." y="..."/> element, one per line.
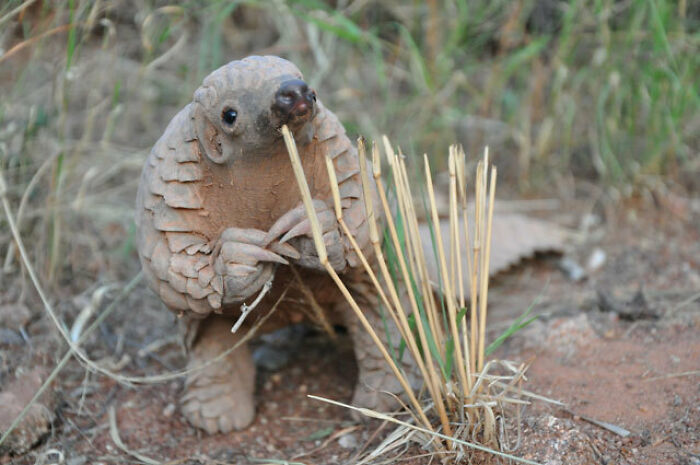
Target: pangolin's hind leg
<point x="376" y="380"/>
<point x="219" y="397"/>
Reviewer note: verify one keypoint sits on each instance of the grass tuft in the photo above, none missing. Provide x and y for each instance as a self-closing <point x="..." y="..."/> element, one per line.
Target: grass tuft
<point x="466" y="398"/>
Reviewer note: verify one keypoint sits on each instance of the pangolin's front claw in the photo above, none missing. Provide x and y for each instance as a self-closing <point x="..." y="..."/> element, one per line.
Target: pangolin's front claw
<point x="295" y="226"/>
<point x="326" y="220"/>
<point x="249" y="254"/>
<point x="292" y="218"/>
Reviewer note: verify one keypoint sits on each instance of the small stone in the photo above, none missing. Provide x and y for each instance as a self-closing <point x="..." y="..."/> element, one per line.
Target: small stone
<point x="572" y="269"/>
<point x="169" y="410"/>
<point x="79" y="460"/>
<point x="347" y="441"/>
<point x="677" y="401"/>
<point x="596" y="260"/>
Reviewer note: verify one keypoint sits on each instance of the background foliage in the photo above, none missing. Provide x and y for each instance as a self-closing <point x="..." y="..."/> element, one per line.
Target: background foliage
<point x="570" y="96"/>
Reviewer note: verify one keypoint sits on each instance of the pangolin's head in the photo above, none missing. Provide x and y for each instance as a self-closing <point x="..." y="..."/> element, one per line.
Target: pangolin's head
<point x="240" y="107"/>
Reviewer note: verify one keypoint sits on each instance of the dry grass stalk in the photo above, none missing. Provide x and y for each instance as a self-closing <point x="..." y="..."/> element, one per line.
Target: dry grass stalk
<point x="462" y="393"/>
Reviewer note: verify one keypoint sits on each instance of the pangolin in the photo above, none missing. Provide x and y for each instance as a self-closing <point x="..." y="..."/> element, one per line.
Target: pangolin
<point x="219" y="215"/>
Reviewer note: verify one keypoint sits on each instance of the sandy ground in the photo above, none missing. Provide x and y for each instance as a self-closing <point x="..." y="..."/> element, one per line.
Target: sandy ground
<point x="608" y="352"/>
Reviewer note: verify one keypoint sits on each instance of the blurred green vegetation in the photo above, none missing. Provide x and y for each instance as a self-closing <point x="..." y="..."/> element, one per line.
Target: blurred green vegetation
<point x="602" y="92"/>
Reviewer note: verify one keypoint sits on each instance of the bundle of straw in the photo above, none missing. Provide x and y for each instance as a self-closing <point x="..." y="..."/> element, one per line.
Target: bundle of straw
<point x="462" y="405"/>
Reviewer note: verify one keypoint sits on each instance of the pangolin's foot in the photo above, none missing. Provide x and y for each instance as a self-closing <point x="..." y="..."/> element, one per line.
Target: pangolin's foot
<point x="220" y="397"/>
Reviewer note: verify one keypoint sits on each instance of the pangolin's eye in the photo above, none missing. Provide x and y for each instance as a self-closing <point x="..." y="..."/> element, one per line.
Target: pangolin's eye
<point x="229" y="116"/>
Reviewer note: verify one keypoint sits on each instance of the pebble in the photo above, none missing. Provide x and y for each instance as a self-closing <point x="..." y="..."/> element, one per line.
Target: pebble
<point x="169" y="410"/>
<point x="79" y="460"/>
<point x="596" y="260"/>
<point x="347" y="441"/>
<point x="572" y="269"/>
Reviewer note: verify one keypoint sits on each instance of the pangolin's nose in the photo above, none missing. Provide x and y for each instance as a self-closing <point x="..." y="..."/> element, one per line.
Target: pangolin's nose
<point x="295" y="97"/>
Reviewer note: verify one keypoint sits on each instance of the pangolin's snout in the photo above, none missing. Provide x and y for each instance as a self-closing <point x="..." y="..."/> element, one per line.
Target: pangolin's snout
<point x="294" y="99"/>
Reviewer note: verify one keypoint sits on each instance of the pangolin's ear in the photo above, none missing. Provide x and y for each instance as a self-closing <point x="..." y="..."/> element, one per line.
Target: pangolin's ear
<point x="209" y="134"/>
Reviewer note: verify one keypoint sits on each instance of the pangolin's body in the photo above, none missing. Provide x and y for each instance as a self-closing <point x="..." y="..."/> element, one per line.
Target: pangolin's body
<point x="214" y="199"/>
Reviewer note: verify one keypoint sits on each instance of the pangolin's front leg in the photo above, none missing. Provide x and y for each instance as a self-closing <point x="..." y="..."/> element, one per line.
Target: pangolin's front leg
<point x="191" y="274"/>
<point x="202" y="278"/>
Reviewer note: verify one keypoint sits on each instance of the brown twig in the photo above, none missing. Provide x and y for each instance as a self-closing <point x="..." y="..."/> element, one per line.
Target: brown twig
<point x="26" y="43"/>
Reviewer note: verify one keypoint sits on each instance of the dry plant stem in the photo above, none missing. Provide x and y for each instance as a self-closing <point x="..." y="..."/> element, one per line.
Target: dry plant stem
<point x="53" y="201"/>
<point x="432" y="309"/>
<point x="34" y="39"/>
<point x="320" y="316"/>
<point x="114" y="433"/>
<point x="23" y="203"/>
<point x="457" y="252"/>
<point x="368" y="269"/>
<point x="448" y="289"/>
<point x="378" y="415"/>
<point x="433" y="381"/>
<point x="462" y="189"/>
<point x="400" y="316"/>
<point x="483" y="294"/>
<point x="402" y="265"/>
<point x="462" y="185"/>
<point x="455" y="245"/>
<point x="414" y="246"/>
<point x="246" y="309"/>
<point x="14" y="11"/>
<point x="475" y="269"/>
<point x="323" y="256"/>
<point x="397" y="312"/>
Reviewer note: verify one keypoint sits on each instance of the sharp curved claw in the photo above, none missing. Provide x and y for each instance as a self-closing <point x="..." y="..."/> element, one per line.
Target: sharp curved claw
<point x="245" y="235"/>
<point x="291" y="219"/>
<point x="326" y="219"/>
<point x="248" y="254"/>
<point x="285" y="249"/>
<point x="303" y="228"/>
<point x="282" y="225"/>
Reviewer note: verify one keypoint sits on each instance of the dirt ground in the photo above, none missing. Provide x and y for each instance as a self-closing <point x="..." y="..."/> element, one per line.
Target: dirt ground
<point x="620" y="346"/>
